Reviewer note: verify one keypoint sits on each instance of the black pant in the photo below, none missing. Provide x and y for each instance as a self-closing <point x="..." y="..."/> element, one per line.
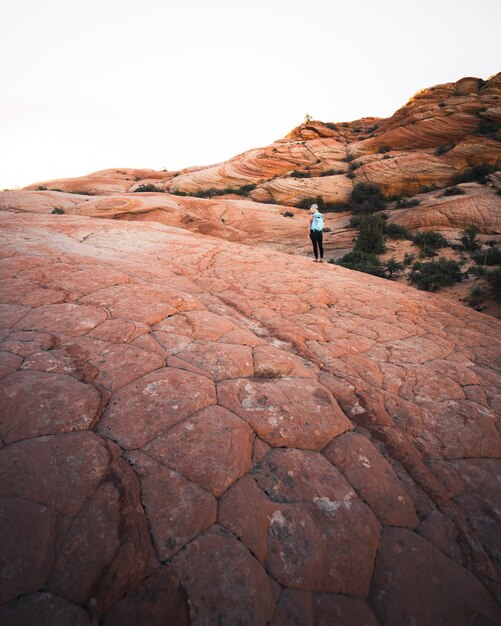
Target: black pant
<point x="316" y="240"/>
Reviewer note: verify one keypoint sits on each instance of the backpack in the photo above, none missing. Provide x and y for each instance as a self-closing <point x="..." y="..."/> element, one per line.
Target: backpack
<point x="317" y="223"/>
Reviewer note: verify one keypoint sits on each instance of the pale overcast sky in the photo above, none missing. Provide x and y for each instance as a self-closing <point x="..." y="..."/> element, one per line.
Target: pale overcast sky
<point x="95" y="84"/>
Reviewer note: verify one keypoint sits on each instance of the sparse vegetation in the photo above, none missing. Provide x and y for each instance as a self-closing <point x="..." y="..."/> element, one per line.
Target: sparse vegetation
<point x="362" y="262"/>
<point x="332" y="172"/>
<point x="367" y="198"/>
<point x="490" y="256"/>
<point x="298" y="174"/>
<point x="494" y="279"/>
<point x="432" y="275"/>
<point x="476" y="297"/>
<point x="384" y="149"/>
<point x="288" y="214"/>
<point x="453" y="191"/>
<point x="489" y="128"/>
<point x="147" y="188"/>
<point x="429" y="242"/>
<point x="57" y="211"/>
<point x="211" y="193"/>
<point x="396" y="231"/>
<point x="477" y="174"/>
<point x="469" y="239"/>
<point x="409" y="258"/>
<point x="371" y="231"/>
<point x="331" y="125"/>
<point x="393" y="268"/>
<point x="324" y="207"/>
<point x="407" y="203"/>
<point x="444" y="149"/>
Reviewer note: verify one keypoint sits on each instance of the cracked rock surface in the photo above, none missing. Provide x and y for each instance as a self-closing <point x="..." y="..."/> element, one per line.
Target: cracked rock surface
<point x="199" y="432"/>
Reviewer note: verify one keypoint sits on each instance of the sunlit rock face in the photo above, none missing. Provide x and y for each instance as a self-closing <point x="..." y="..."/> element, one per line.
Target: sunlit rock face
<point x="196" y="431"/>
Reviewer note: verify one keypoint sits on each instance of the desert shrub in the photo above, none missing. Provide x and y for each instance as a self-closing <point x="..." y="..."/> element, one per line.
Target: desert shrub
<point x="350" y="175"/>
<point x="469" y="239"/>
<point x="444" y="149"/>
<point x="432" y="275"/>
<point x="331" y="125"/>
<point x="147" y="188"/>
<point x="488" y="128"/>
<point x="490" y="256"/>
<point x="409" y="258"/>
<point x="371" y="235"/>
<point x="384" y="149"/>
<point x="393" y="268"/>
<point x="57" y="211"/>
<point x="298" y="174"/>
<point x="354" y="166"/>
<point x="371" y="129"/>
<point x="476" y="174"/>
<point x="362" y="262"/>
<point x="396" y="231"/>
<point x="441" y="104"/>
<point x="244" y="190"/>
<point x="332" y="172"/>
<point x="475" y="298"/>
<point x="81" y="193"/>
<point x="453" y="191"/>
<point x="429" y="242"/>
<point x="427" y="188"/>
<point x="323" y="206"/>
<point x="494" y="279"/>
<point x="288" y="214"/>
<point x="407" y="203"/>
<point x="40" y="188"/>
<point x="367" y="198"/>
<point x="348" y="158"/>
<point x="327" y="229"/>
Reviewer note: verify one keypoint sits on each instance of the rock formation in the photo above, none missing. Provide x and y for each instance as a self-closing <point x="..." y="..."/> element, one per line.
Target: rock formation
<point x="196" y="431"/>
<point x="200" y="426"/>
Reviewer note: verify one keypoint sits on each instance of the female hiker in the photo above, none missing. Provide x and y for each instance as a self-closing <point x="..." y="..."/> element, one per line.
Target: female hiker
<point x="316" y="228"/>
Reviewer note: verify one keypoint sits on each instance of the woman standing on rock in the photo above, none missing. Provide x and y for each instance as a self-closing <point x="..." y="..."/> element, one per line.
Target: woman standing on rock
<point x="316" y="228"/>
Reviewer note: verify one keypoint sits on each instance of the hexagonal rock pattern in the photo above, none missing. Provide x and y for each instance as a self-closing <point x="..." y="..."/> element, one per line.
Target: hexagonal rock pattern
<point x="212" y="448"/>
<point x="225" y="583"/>
<point x="292" y="412"/>
<point x="145" y="408"/>
<point x="203" y="470"/>
<point x="41" y="403"/>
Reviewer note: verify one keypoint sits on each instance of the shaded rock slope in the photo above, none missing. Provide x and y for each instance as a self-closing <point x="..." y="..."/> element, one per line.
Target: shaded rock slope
<point x="200" y="432"/>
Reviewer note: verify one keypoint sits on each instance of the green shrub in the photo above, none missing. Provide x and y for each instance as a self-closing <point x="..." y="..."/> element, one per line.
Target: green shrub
<point x="393" y="268"/>
<point x="298" y="174"/>
<point x="476" y="174"/>
<point x="406" y="203"/>
<point x="148" y="188"/>
<point x="494" y="279"/>
<point x="58" y="211"/>
<point x="429" y="242"/>
<point x="490" y="256"/>
<point x="469" y="239"/>
<point x="453" y="191"/>
<point x="40" y="188"/>
<point x="441" y="104"/>
<point x="288" y="214"/>
<point x="409" y="258"/>
<point x="396" y="231"/>
<point x="350" y="175"/>
<point x="331" y="125"/>
<point x="367" y="198"/>
<point x="432" y="275"/>
<point x="371" y="235"/>
<point x="384" y="149"/>
<point x="475" y="298"/>
<point x="488" y="128"/>
<point x="444" y="149"/>
<point x="348" y="158"/>
<point x="362" y="262"/>
<point x="332" y="172"/>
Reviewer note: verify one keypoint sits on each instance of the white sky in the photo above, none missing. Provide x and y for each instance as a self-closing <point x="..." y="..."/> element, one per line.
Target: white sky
<point x="94" y="84"/>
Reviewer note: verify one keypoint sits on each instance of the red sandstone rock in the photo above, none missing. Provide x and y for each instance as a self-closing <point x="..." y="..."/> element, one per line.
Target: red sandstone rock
<point x="286" y="411"/>
<point x="373" y="479"/>
<point x="408" y="569"/>
<point x="177" y="510"/>
<point x="224" y="582"/>
<point x="42" y="608"/>
<point x="219" y="360"/>
<point x="68" y="320"/>
<point x="37" y="403"/>
<point x="145" y="408"/>
<point x="158" y="601"/>
<point x="9" y="363"/>
<point x="212" y="448"/>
